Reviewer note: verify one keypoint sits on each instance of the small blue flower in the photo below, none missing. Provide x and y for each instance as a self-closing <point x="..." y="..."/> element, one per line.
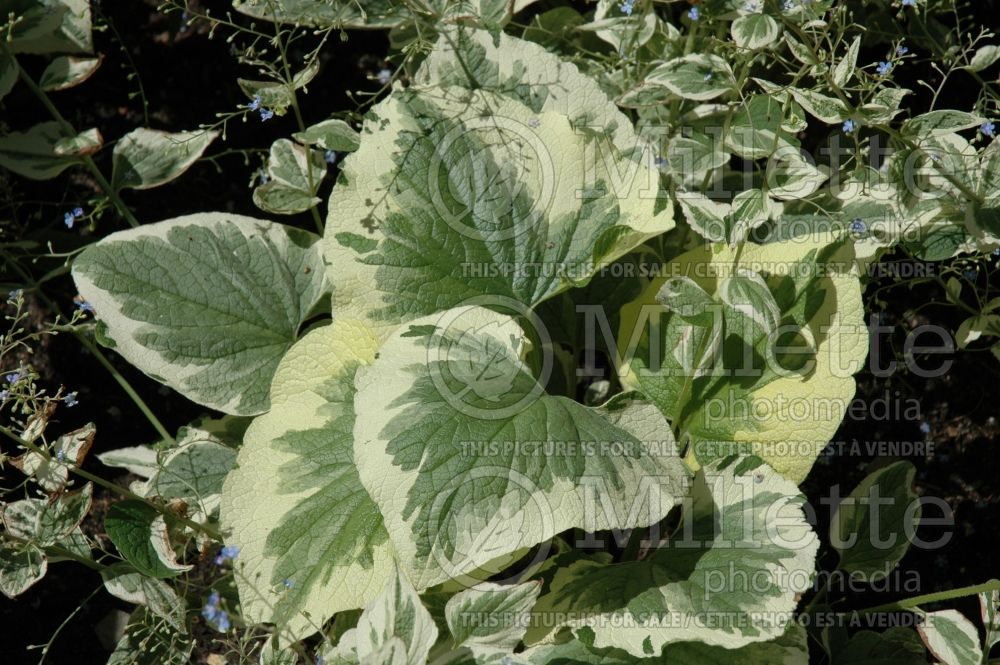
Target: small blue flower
<point x="78" y="212"/>
<point x="222" y="621"/>
<point x="61" y="455"/>
<point x="330" y="157"/>
<point x="988" y="129"/>
<point x="320" y="660"/>
<point x="70" y="399"/>
<point x="751" y="7"/>
<point x="789" y="5"/>
<point x="850" y="126"/>
<point x="227" y="553"/>
<point x="255" y="104"/>
<point x="13" y="377"/>
<point x="661" y="161"/>
<point x="262" y="176"/>
<point x="288" y="584"/>
<point x="694" y="14"/>
<point x="996" y="252"/>
<point x="14" y="295"/>
<point x="909" y="3"/>
<point x="971" y="274"/>
<point x="708" y="75"/>
<point x="69" y="220"/>
<point x="266" y="114"/>
<point x="925" y="428"/>
<point x="627" y="7"/>
<point x="82" y="304"/>
<point x="384" y="76"/>
<point x="211" y="608"/>
<point x="902" y="50"/>
<point x="884" y="68"/>
<point x="858" y="226"/>
<point x="4" y="394"/>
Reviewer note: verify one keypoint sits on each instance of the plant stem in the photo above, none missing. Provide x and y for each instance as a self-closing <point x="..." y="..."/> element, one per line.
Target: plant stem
<point x="107" y="484"/>
<point x="30" y="282"/>
<point x="126" y="386"/>
<point x="86" y="160"/>
<point x="912" y="603"/>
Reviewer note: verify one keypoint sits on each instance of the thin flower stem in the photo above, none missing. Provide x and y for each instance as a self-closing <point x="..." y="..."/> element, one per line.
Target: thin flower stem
<point x="913" y="603"/>
<point x="107" y="484"/>
<point x="30" y="282"/>
<point x="125" y="385"/>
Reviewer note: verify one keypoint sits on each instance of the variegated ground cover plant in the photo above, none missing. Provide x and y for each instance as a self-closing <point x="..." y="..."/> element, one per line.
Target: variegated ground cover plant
<point x="413" y="462"/>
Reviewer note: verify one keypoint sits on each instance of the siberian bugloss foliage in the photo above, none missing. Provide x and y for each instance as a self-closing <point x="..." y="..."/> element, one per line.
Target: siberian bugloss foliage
<point x="584" y="310"/>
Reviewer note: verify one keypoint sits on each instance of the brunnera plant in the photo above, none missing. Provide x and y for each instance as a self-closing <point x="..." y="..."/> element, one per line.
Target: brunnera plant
<point x="425" y="477"/>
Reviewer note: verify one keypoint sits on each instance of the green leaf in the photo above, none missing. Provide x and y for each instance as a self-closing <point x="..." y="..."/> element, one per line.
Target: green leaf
<point x="895" y="646"/>
<point x="827" y="109"/>
<point x="491" y="618"/>
<point x="8" y="74"/>
<point x="705" y="216"/>
<point x="750" y="209"/>
<point x="396" y="614"/>
<point x="755" y="131"/>
<point x="983" y="58"/>
<point x="46" y="522"/>
<point x="32" y="154"/>
<point x="206" y="303"/>
<point x="975" y="327"/>
<point x="52" y="473"/>
<point x="295" y="174"/>
<point x="989" y="607"/>
<point x="449" y="441"/>
<point x="330" y="135"/>
<point x="85" y="143"/>
<point x="140" y="460"/>
<point x="697" y="586"/>
<point x="277" y="95"/>
<point x="755" y="31"/>
<point x="295" y="504"/>
<point x="939" y="123"/>
<point x="951" y="638"/>
<point x="790" y="175"/>
<point x="476" y="193"/>
<point x="884" y="106"/>
<point x="780" y="398"/>
<point x="68" y="71"/>
<point x="844" y="70"/>
<point x="21" y="565"/>
<point x="193" y="472"/>
<point x="148" y="640"/>
<point x="146" y="158"/>
<point x="869" y="528"/>
<point x="330" y="13"/>
<point x="124" y="582"/>
<point x="134" y="527"/>
<point x="790" y="648"/>
<point x="698" y="77"/>
<point x="693" y="156"/>
<point x="60" y="26"/>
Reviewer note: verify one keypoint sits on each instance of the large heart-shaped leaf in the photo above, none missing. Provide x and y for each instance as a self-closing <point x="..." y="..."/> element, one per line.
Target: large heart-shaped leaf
<point x="501" y="190"/>
<point x="469" y="461"/>
<point x="207" y="304"/>
<point x="311" y="540"/>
